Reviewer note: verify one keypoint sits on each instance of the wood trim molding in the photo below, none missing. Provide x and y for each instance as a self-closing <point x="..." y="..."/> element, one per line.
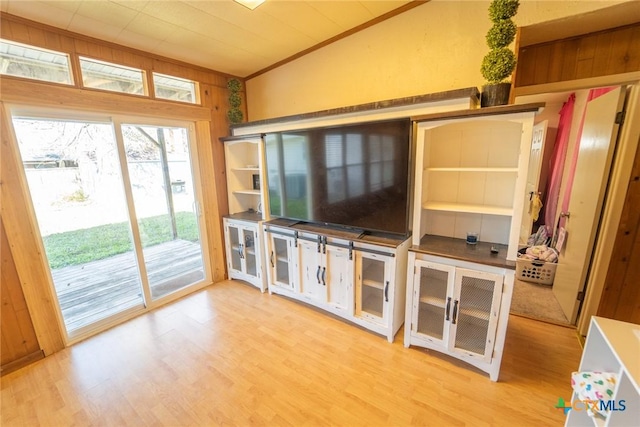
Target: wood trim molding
<point x="22" y="362"/>
<point x="27" y="92"/>
<point x="212" y="216"/>
<point x="24" y="242"/>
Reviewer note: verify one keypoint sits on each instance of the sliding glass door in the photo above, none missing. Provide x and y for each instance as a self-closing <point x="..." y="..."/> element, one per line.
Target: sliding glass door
<point x="161" y="183"/>
<point x="116" y="206"/>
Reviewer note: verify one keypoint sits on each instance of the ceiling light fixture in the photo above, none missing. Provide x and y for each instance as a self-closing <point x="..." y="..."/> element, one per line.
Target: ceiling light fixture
<point x="251" y="4"/>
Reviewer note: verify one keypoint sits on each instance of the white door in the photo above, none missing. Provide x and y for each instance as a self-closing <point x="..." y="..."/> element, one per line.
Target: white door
<point x="233" y="234"/>
<point x="311" y="270"/>
<point x="432" y="301"/>
<point x="338" y="277"/>
<point x="280" y="261"/>
<point x="587" y="196"/>
<point x="372" y="287"/>
<point x="474" y="317"/>
<point x="533" y="179"/>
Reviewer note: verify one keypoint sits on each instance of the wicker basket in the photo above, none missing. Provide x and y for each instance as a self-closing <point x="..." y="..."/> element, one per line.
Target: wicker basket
<point x="535" y="271"/>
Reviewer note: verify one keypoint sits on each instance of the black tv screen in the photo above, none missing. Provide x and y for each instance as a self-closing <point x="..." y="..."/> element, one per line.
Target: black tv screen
<point x="354" y="175"/>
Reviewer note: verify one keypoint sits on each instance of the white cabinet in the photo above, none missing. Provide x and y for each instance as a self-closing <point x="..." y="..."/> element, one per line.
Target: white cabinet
<point x="613" y="347"/>
<point x="243" y="250"/>
<point x="359" y="278"/>
<point x="282" y="267"/>
<point x="244" y="160"/>
<point x="243" y="239"/>
<point x="380" y="287"/>
<point x="471" y="174"/>
<point x="326" y="271"/>
<point x="458" y="308"/>
<point x="372" y="287"/>
<point x="470" y="177"/>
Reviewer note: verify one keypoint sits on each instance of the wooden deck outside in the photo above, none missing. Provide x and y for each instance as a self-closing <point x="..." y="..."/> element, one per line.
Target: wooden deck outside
<point x="98" y="289"/>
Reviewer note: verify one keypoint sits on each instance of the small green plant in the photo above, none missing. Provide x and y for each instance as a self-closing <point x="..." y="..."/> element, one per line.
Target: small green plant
<point x="500" y="62"/>
<point x="235" y="113"/>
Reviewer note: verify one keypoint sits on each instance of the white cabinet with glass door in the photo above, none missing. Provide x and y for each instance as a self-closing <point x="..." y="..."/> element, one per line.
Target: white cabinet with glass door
<point x="243" y="251"/>
<point x="380" y="287"/>
<point x="372" y="287"/>
<point x="281" y="253"/>
<point x="458" y="308"/>
<point x="243" y="239"/>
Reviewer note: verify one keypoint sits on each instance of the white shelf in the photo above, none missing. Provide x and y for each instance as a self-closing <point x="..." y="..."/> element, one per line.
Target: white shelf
<point x="472" y="169"/>
<point x="467" y="208"/>
<point x="612" y="346"/>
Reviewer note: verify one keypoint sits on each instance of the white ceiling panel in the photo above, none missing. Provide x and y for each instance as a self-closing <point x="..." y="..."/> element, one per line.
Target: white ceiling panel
<point x="217" y="34"/>
<point x="40" y="11"/>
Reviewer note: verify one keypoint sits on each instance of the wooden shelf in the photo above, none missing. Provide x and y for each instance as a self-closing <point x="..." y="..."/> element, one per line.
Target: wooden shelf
<point x="373" y="283"/>
<point x="467" y="208"/>
<point x="246" y="169"/>
<point x="251" y="192"/>
<point x="434" y="301"/>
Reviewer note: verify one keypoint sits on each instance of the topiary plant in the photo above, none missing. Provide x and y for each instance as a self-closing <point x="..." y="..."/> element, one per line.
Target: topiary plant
<point x="500" y="62"/>
<point x="235" y="113"/>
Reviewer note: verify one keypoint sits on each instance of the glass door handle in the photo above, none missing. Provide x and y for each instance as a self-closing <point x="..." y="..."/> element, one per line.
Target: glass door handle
<point x="446" y="316"/>
<point x="272" y="264"/>
<point x="386" y="291"/>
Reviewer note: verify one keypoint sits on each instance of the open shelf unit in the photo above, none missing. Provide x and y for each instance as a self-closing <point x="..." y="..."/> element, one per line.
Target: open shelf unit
<point x="470" y="174"/>
<point x="611" y="346"/>
<point x="243" y="158"/>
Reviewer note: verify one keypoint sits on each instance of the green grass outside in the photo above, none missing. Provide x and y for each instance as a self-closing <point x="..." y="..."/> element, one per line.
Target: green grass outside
<point x="91" y="244"/>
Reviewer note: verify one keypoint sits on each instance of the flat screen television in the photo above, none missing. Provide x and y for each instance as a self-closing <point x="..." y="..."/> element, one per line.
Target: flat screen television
<point x="354" y="176"/>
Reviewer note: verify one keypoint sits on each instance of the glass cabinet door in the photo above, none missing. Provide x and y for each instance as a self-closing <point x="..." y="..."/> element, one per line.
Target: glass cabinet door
<point x="235" y="250"/>
<point x="432" y="305"/>
<point x="280" y="261"/>
<point x="250" y="253"/>
<point x="372" y="293"/>
<point x="474" y="318"/>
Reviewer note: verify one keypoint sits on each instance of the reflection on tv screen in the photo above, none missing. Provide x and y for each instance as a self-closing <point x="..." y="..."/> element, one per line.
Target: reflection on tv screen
<point x="354" y="175"/>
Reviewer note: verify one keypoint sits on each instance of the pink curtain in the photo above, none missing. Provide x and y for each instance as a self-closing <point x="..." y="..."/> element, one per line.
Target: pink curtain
<point x="557" y="164"/>
<point x="593" y="94"/>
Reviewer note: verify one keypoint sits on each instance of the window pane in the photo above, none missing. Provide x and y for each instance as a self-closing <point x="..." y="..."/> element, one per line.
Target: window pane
<point x="34" y="63"/>
<point x="174" y="88"/>
<point x="116" y="78"/>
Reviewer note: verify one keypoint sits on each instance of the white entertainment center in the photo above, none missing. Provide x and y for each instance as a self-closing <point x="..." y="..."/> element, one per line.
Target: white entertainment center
<point x="466" y="174"/>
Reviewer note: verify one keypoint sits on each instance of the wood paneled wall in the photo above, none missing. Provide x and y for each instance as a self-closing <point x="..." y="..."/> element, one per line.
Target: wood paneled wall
<point x="614" y="51"/>
<point x="19" y="341"/>
<point x="621" y="295"/>
<point x="210" y="124"/>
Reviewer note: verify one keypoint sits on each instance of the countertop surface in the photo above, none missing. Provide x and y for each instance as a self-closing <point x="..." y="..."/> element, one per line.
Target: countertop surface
<point x="354" y="235"/>
<point x="479" y="253"/>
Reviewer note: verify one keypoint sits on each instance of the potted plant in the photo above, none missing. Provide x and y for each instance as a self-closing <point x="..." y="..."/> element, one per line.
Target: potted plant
<point x="235" y="113"/>
<point x="500" y="62"/>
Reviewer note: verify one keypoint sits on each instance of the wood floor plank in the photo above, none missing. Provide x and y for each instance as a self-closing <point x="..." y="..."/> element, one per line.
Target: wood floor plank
<point x="230" y="355"/>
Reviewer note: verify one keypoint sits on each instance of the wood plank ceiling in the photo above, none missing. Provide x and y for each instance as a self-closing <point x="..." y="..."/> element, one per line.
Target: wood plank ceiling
<point x="220" y="35"/>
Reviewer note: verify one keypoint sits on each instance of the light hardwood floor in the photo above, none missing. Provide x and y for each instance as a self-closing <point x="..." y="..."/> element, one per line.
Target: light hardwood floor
<point x="229" y="355"/>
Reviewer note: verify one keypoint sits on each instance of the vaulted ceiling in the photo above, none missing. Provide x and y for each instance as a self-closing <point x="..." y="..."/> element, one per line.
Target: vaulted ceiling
<point x="220" y="35"/>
